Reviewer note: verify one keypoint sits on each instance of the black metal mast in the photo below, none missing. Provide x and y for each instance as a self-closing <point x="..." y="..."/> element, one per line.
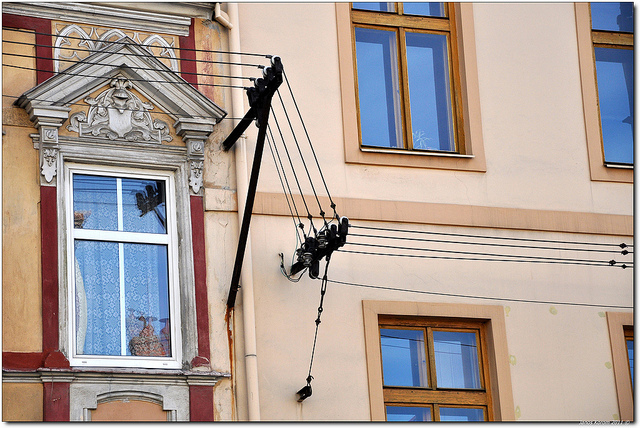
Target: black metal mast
<point x="260" y="104"/>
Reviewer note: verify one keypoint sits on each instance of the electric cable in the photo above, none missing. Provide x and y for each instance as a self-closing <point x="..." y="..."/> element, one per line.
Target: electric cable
<point x="302" y="158"/>
<point x="489" y="244"/>
<point x="177" y="74"/>
<point x="84" y="61"/>
<point x="295" y="176"/>
<point x="333" y="205"/>
<point x="611" y="263"/>
<point x="282" y="183"/>
<point x="133" y="44"/>
<point x="471" y="253"/>
<point x="469" y="296"/>
<point x="622" y="245"/>
<point x="299" y="224"/>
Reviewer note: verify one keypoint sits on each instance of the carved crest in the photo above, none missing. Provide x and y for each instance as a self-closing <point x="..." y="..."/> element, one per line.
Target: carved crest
<point x="117" y="113"/>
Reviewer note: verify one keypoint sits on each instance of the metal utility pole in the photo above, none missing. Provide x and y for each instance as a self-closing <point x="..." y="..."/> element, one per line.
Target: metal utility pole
<point x="260" y="105"/>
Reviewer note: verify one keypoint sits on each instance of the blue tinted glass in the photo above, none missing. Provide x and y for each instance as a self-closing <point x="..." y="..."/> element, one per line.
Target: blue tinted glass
<point x="429" y="94"/>
<point x="614" y="68"/>
<point x="95" y="203"/>
<point x="456" y="359"/>
<point x="612" y="16"/>
<point x="144" y="206"/>
<point x="424" y="9"/>
<point x="97" y="298"/>
<point x="630" y="354"/>
<point x="460" y="414"/>
<point x="147" y="300"/>
<point x="376" y="7"/>
<point x="378" y="88"/>
<point x="408" y="414"/>
<point x="404" y="362"/>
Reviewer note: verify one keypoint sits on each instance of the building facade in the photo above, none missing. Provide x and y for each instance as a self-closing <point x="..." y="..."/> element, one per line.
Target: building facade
<point x="482" y="153"/>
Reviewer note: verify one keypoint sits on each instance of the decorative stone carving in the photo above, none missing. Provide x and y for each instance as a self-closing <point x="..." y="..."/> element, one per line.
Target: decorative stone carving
<point x="49" y="163"/>
<point x="74" y="43"/>
<point x="195" y="175"/>
<point x="118" y="113"/>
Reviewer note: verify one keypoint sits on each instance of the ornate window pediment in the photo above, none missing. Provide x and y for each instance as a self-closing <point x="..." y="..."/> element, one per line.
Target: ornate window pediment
<point x="116" y="116"/>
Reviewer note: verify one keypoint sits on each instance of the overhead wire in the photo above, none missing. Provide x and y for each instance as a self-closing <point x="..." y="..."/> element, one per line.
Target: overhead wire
<point x="491" y="244"/>
<point x="424" y="256"/>
<point x="471" y="253"/>
<point x="470" y="296"/>
<point x="135" y="44"/>
<point x="333" y="205"/>
<point x="462" y="235"/>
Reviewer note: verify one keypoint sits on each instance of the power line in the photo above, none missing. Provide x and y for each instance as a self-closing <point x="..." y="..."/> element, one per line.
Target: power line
<point x="188" y="116"/>
<point x="502" y="299"/>
<point x="132" y="44"/>
<point x="423" y="256"/>
<point x="183" y="82"/>
<point x="471" y="253"/>
<point x="622" y="245"/>
<point x="491" y="244"/>
<point x="167" y="70"/>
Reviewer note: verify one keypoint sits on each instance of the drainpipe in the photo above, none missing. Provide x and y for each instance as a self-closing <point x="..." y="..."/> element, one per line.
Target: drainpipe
<point x="246" y="278"/>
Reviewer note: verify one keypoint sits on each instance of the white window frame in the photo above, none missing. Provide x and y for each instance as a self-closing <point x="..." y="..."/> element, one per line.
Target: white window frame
<point x="170" y="239"/>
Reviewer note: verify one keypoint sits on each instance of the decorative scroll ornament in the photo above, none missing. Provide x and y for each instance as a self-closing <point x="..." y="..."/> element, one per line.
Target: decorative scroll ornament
<point x="118" y="113"/>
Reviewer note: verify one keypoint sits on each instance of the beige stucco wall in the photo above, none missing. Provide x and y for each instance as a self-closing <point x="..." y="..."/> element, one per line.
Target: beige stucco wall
<point x="22" y="289"/>
<point x="530" y="99"/>
<point x="22" y="402"/>
<point x="536" y="154"/>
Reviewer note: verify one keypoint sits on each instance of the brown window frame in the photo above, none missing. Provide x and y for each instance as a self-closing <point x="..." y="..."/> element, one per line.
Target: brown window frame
<point x="433" y="396"/>
<point x="587" y="39"/>
<point x="620" y="325"/>
<point x="417" y="24"/>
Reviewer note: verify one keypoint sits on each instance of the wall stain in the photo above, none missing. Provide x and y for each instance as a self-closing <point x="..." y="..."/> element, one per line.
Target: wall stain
<point x="602" y="314"/>
<point x="553" y="310"/>
<point x="227" y="320"/>
<point x="507" y="309"/>
<point x="512" y="360"/>
<point x="518" y="414"/>
<point x="608" y="364"/>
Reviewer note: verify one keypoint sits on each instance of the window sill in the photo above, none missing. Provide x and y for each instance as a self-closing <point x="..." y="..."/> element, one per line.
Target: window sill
<point x="416" y="153"/>
<point x="618" y="165"/>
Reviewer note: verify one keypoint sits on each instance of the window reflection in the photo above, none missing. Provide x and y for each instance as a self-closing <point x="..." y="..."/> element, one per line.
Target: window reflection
<point x="424" y="9"/>
<point x="612" y="16"/>
<point x="461" y="414"/>
<point x="456" y="355"/>
<point x="378" y="88"/>
<point x="375" y="7"/>
<point x="404" y="362"/>
<point x="408" y="414"/>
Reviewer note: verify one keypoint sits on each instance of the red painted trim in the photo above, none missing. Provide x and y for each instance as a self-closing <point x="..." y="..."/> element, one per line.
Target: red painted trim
<point x="56" y="401"/>
<point x="187" y="51"/>
<point x="200" y="275"/>
<point x="39" y="25"/>
<point x="49" y="240"/>
<point x="24" y="361"/>
<point x="201" y="403"/>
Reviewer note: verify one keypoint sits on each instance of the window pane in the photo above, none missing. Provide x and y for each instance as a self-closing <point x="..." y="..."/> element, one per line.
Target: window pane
<point x="456" y="359"/>
<point x="144" y="207"/>
<point x="630" y="354"/>
<point x="408" y="414"/>
<point x="95" y="203"/>
<point x="403" y="357"/>
<point x="612" y="16"/>
<point x="376" y="7"/>
<point x="460" y="414"/>
<point x="147" y="300"/>
<point x="431" y="113"/>
<point x="378" y="88"/>
<point x="424" y="9"/>
<point x="614" y="68"/>
<point x="97" y="298"/>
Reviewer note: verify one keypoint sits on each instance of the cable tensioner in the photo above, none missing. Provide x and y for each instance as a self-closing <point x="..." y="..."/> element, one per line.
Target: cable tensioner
<point x="314" y="248"/>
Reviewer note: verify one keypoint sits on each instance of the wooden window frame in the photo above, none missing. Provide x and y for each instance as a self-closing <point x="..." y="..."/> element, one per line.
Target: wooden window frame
<point x="587" y="40"/>
<point x="433" y="396"/>
<point x="489" y="320"/>
<point x="619" y="323"/>
<point x="470" y="156"/>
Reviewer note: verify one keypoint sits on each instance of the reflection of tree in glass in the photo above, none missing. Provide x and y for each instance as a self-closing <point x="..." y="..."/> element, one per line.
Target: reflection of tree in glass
<point x="420" y="140"/>
<point x="149" y="199"/>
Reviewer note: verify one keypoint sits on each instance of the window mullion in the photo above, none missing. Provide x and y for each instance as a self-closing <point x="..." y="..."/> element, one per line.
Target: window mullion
<point x="123" y="336"/>
<point x="433" y="384"/>
<point x="404" y="87"/>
